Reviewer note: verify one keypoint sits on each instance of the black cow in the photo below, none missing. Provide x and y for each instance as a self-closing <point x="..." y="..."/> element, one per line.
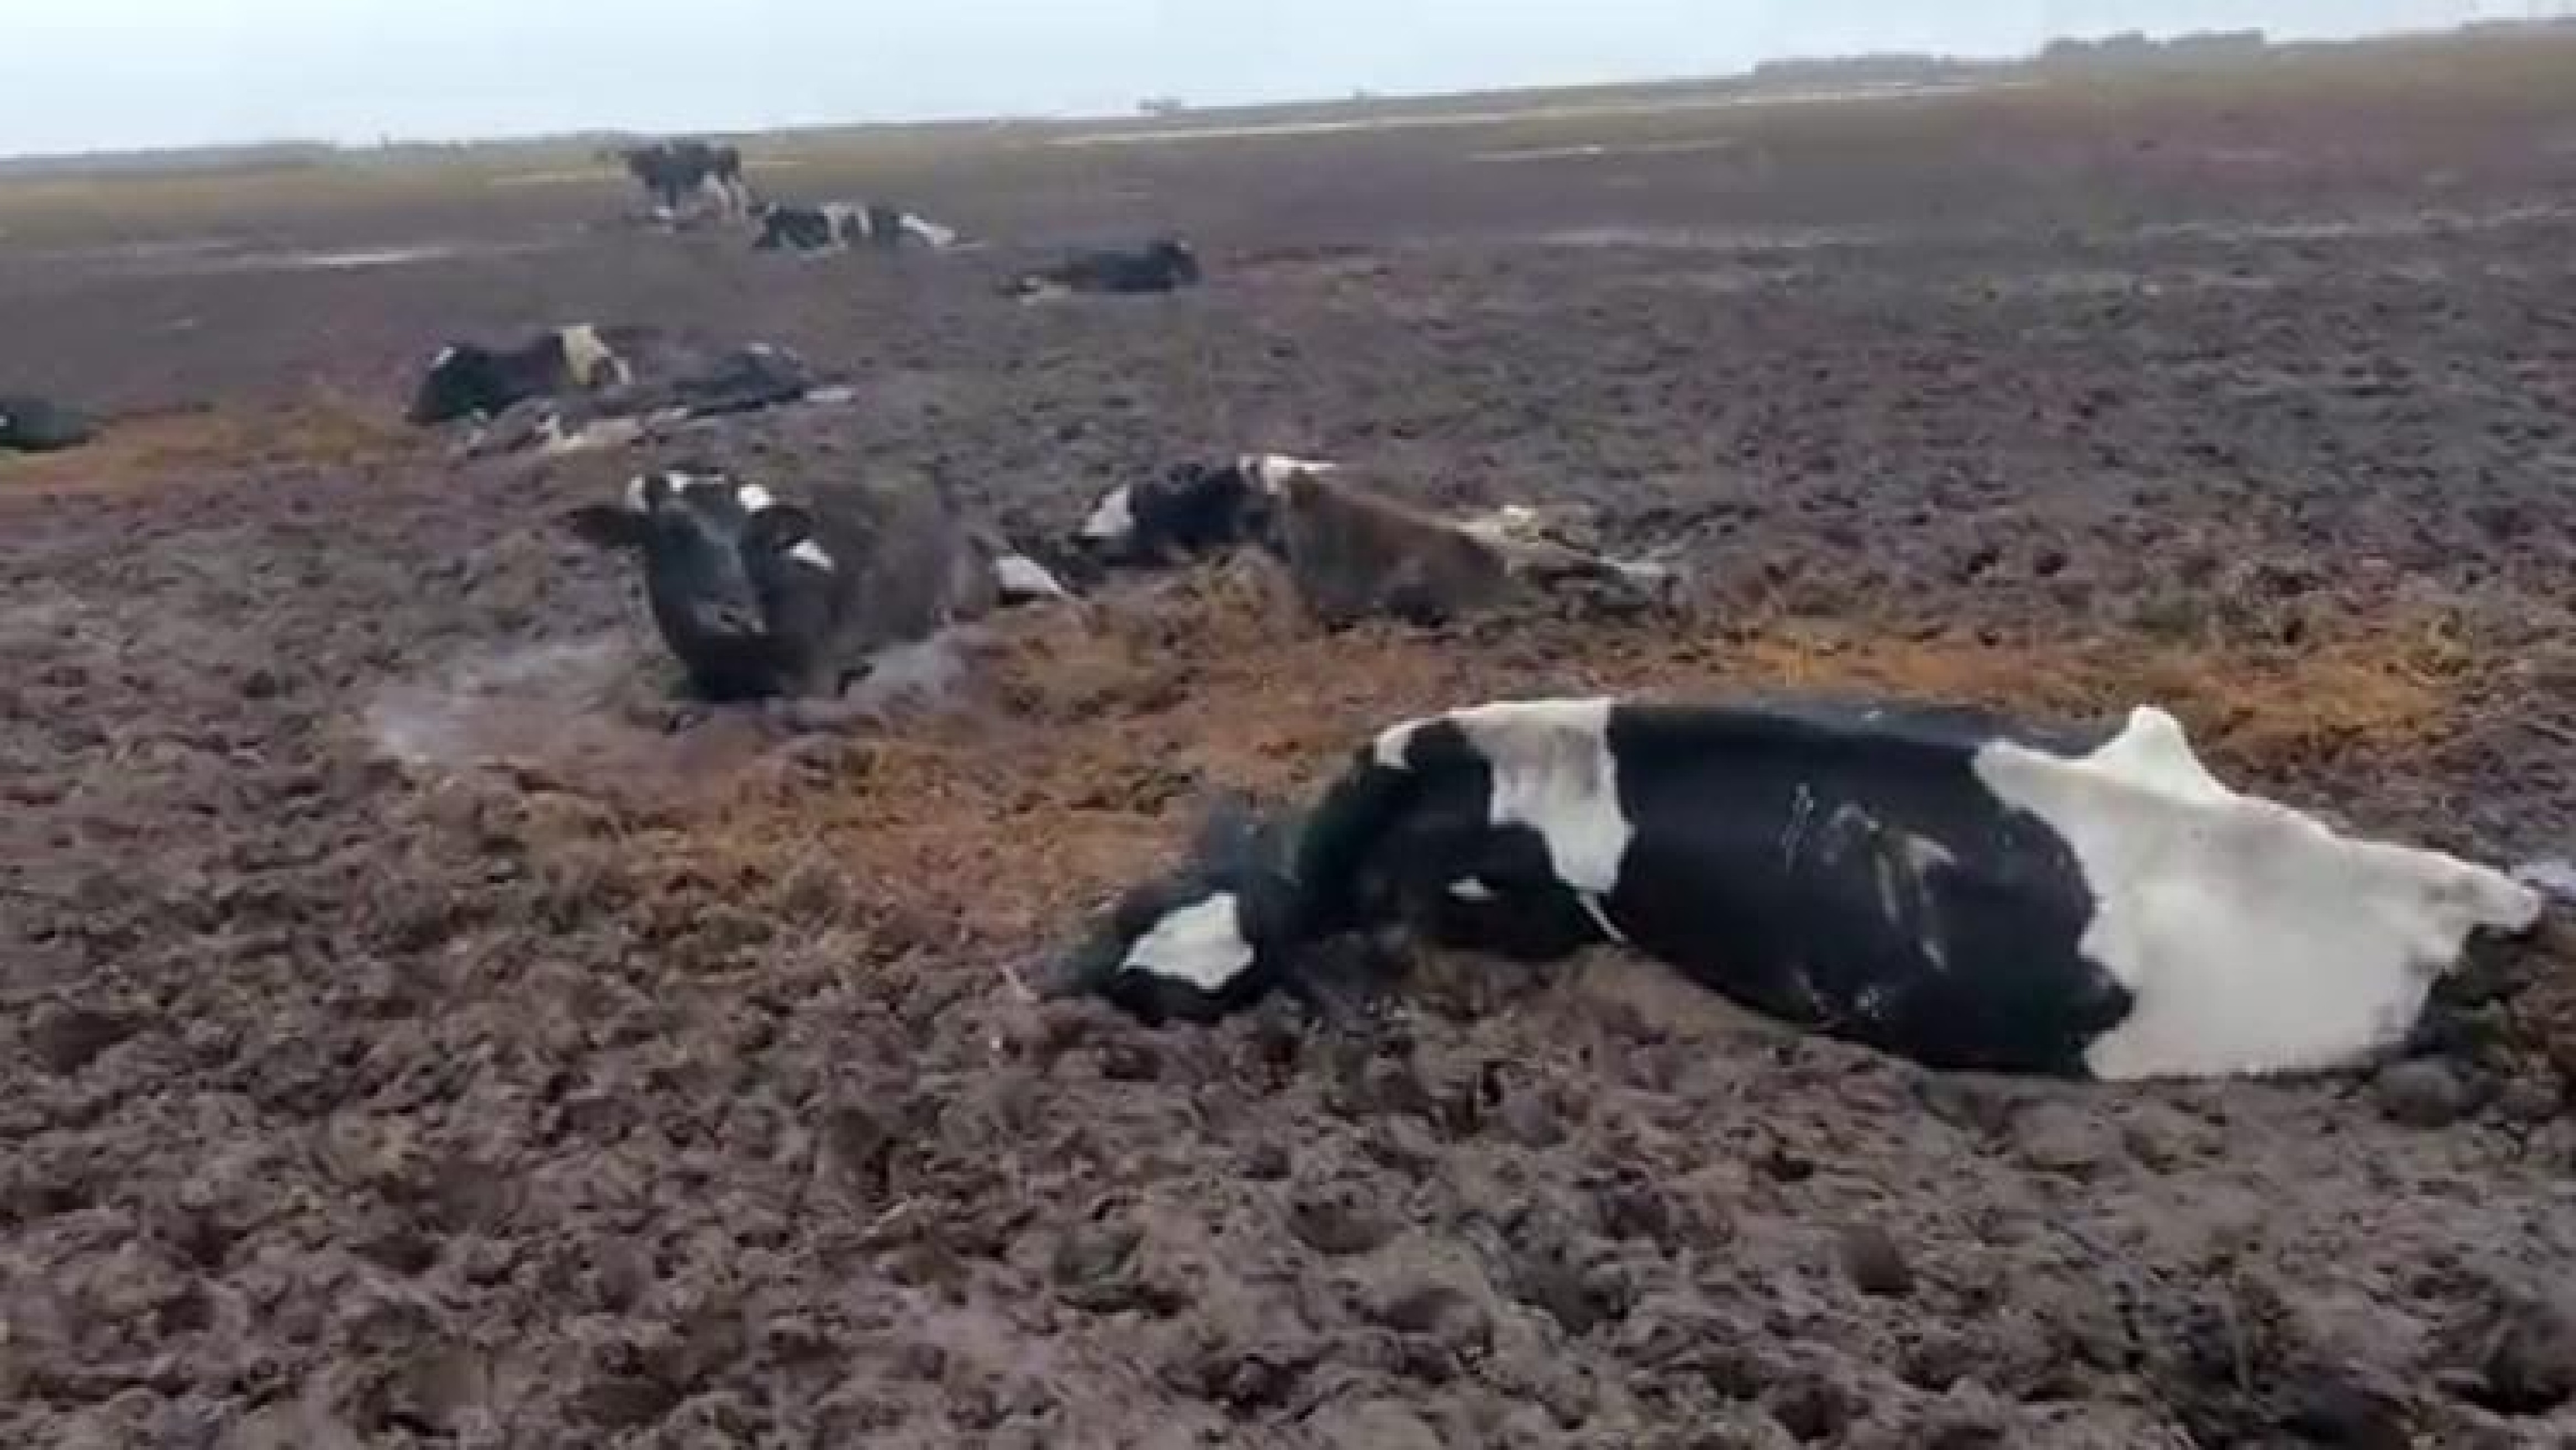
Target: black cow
<point x="37" y="425"/>
<point x="467" y="379"/>
<point x="763" y="597"/>
<point x="1166" y="265"/>
<point x="1932" y="882"/>
<point x="841" y="225"/>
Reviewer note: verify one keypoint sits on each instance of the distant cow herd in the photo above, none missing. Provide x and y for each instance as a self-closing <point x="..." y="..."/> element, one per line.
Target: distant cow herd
<point x="1942" y="884"/>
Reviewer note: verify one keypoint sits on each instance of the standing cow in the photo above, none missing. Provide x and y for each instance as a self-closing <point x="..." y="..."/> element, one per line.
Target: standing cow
<point x="673" y="171"/>
<point x="1935" y="883"/>
<point x="766" y="597"/>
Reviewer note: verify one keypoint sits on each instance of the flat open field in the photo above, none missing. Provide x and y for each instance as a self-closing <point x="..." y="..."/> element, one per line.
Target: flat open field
<point x="415" y="1030"/>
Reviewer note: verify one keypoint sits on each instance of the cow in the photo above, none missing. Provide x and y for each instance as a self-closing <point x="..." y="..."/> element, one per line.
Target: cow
<point x="1351" y="551"/>
<point x="39" y="425"/>
<point x="839" y="226"/>
<point x="764" y="597"/>
<point x="671" y="171"/>
<point x="1934" y="882"/>
<point x="1191" y="510"/>
<point x="697" y="386"/>
<point x="1355" y="553"/>
<point x="469" y="380"/>
<point x="1167" y="264"/>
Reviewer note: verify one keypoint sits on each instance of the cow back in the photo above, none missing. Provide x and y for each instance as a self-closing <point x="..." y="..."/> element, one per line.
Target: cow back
<point x="1354" y="553"/>
<point x="907" y="564"/>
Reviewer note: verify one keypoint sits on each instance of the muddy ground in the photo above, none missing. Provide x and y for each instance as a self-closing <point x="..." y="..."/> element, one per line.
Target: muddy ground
<point x="420" y="1031"/>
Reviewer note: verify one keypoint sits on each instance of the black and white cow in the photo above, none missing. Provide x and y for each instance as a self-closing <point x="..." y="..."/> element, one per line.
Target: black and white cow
<point x="839" y="226"/>
<point x="1165" y="265"/>
<point x="673" y="171"/>
<point x="1192" y="510"/>
<point x="468" y="379"/>
<point x="1355" y="553"/>
<point x="39" y="425"/>
<point x="696" y="387"/>
<point x="1935" y="883"/>
<point x="764" y="597"/>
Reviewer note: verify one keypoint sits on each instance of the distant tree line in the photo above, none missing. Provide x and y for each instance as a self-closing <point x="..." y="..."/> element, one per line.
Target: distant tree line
<point x="2133" y="49"/>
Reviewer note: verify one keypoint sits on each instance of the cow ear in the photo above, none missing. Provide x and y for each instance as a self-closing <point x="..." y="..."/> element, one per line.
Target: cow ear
<point x="607" y="526"/>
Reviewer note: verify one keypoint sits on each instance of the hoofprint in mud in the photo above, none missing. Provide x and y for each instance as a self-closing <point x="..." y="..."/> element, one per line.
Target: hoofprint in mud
<point x="1935" y="883"/>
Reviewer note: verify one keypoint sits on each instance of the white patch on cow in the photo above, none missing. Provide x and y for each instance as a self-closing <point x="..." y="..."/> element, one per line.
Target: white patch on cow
<point x="1114" y="519"/>
<point x="445" y="356"/>
<point x="637" y="499"/>
<point x="1471" y="888"/>
<point x="845" y="222"/>
<point x="813" y="556"/>
<point x="1553" y="772"/>
<point x="1201" y="944"/>
<point x="931" y="233"/>
<point x="1021" y="577"/>
<point x="590" y="359"/>
<point x="832" y="396"/>
<point x="754" y="498"/>
<point x="2254" y="938"/>
<point x="1270" y="472"/>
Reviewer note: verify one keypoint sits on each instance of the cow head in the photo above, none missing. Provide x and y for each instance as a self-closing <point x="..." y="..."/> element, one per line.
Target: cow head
<point x="1193" y="509"/>
<point x="1210" y="938"/>
<point x="741" y="589"/>
<point x="1177" y="259"/>
<point x="462" y="381"/>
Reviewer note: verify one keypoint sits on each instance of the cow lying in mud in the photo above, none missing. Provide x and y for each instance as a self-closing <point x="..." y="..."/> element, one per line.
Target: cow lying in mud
<point x="37" y="425"/>
<point x="840" y="226"/>
<point x="742" y="380"/>
<point x="467" y="380"/>
<point x="1930" y="882"/>
<point x="764" y="597"/>
<point x="1354" y="553"/>
<point x="1190" y="511"/>
<point x="1166" y="265"/>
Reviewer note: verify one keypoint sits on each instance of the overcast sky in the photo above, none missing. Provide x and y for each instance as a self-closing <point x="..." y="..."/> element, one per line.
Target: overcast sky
<point x="106" y="74"/>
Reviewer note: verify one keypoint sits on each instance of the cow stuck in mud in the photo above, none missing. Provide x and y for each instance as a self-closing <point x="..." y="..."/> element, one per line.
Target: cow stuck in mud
<point x="40" y="425"/>
<point x="1353" y="552"/>
<point x="841" y="226"/>
<point x="764" y="597"/>
<point x="1164" y="265"/>
<point x="467" y="379"/>
<point x="1934" y="883"/>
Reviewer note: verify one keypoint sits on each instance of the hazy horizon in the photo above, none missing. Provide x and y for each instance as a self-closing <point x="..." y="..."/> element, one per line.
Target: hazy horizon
<point x="123" y="75"/>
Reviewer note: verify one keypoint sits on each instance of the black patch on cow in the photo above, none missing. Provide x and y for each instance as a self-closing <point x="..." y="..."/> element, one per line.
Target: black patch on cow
<point x="1193" y="510"/>
<point x="1843" y="869"/>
